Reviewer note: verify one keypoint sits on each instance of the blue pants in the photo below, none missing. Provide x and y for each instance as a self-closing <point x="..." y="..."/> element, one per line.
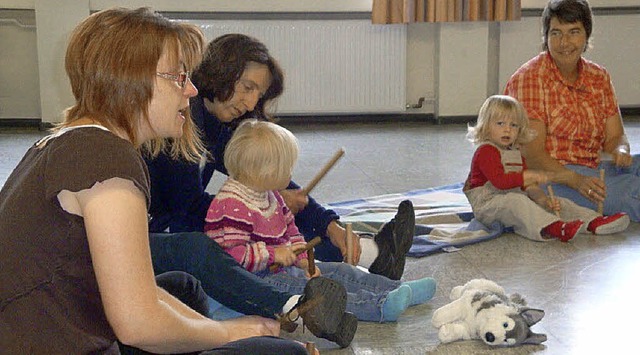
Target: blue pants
<point x="221" y="276"/>
<point x="188" y="289"/>
<point x="623" y="188"/>
<point x="366" y="293"/>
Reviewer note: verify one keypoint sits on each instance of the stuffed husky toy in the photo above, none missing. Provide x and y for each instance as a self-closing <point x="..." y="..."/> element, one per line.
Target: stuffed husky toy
<point x="481" y="310"/>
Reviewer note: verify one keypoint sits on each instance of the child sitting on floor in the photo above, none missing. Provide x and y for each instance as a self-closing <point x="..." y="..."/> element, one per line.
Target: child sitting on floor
<point x="500" y="188"/>
<point x="250" y="220"/>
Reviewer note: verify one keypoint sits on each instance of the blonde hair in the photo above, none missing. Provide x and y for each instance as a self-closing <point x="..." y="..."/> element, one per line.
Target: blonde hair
<point x="497" y="107"/>
<point x="261" y="153"/>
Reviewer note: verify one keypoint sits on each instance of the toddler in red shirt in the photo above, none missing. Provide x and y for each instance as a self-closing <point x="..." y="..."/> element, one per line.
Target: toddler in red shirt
<point x="500" y="188"/>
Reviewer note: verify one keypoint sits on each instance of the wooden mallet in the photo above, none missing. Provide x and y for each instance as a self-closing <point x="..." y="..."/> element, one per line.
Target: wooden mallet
<point x="308" y="248"/>
<point x="307" y="189"/>
<point x="349" y="240"/>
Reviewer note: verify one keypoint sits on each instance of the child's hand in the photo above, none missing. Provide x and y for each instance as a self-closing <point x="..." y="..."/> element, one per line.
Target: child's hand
<point x="304" y="265"/>
<point x="309" y="276"/>
<point x="553" y="204"/>
<point x="284" y="255"/>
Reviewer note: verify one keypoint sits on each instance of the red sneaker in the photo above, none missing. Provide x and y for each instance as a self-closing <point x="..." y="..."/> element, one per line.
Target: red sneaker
<point x="609" y="224"/>
<point x="564" y="231"/>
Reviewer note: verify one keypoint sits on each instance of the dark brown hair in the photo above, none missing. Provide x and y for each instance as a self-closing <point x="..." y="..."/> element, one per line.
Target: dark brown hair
<point x="566" y="11"/>
<point x="225" y="60"/>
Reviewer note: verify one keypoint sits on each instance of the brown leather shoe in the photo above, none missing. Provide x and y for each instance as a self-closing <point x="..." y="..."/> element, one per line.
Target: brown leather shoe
<point x="322" y="308"/>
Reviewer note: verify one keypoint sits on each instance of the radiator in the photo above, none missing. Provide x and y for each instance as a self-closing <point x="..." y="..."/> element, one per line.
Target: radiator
<point x="331" y="66"/>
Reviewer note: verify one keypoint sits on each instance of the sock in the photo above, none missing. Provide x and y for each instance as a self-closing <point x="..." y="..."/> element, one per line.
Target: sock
<point x="369" y="252"/>
<point x="422" y="290"/>
<point x="290" y="303"/>
<point x="396" y="303"/>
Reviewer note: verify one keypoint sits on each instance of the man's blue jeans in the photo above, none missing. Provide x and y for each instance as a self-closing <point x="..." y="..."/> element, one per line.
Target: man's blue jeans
<point x="222" y="278"/>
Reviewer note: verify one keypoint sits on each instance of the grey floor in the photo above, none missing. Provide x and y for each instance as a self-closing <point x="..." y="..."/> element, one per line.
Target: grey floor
<point x="588" y="287"/>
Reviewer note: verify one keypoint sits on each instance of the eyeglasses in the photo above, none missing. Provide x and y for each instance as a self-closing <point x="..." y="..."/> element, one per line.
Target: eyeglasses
<point x="180" y="78"/>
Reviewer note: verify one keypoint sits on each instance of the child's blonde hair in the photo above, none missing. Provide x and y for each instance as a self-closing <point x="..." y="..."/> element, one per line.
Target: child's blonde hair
<point x="261" y="153"/>
<point x="497" y="107"/>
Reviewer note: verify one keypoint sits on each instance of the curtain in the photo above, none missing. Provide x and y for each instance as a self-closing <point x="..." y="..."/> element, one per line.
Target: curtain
<point x="407" y="11"/>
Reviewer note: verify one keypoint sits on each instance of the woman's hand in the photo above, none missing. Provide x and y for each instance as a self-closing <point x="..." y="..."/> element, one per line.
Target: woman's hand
<point x="296" y="200"/>
<point x="338" y="237"/>
<point x="590" y="187"/>
<point x="250" y="326"/>
<point x="622" y="157"/>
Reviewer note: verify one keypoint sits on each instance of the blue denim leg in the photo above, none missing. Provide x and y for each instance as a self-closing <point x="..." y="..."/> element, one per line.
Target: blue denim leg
<point x="186" y="288"/>
<point x="221" y="276"/>
<point x="366" y="293"/>
<point x="623" y="188"/>
<point x="218" y="311"/>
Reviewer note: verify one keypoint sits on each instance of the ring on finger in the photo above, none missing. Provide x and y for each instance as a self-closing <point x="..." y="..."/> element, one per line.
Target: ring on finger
<point x="589" y="192"/>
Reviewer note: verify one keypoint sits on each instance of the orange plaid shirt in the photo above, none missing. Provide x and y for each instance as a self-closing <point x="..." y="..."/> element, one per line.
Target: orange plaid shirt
<point x="574" y="114"/>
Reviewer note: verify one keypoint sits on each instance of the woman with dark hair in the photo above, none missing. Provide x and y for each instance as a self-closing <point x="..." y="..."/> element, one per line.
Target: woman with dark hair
<point x="76" y="272"/>
<point x="571" y="104"/>
<point x="238" y="79"/>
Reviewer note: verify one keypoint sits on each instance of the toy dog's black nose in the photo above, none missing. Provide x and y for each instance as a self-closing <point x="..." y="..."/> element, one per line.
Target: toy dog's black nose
<point x="490" y="337"/>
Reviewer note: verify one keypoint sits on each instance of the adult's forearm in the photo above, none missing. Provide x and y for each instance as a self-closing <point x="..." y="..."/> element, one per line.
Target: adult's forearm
<point x="169" y="326"/>
<point x="617" y="144"/>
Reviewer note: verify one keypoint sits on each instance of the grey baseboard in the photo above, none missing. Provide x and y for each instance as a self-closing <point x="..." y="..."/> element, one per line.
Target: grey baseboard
<point x="20" y="123"/>
<point x="293" y="119"/>
<point x="351" y="118"/>
<point x="630" y="111"/>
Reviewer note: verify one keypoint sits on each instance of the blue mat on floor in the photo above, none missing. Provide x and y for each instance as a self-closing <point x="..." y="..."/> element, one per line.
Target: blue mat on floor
<point x="444" y="220"/>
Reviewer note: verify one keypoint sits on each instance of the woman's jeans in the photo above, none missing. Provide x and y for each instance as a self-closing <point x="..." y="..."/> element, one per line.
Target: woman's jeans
<point x="623" y="188"/>
<point x="187" y="289"/>
<point x="366" y="293"/>
<point x="221" y="276"/>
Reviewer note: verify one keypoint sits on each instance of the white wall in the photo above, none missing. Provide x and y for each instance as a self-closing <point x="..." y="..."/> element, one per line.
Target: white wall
<point x="19" y="79"/>
<point x="454" y="66"/>
<point x="616" y="46"/>
<point x="421" y="66"/>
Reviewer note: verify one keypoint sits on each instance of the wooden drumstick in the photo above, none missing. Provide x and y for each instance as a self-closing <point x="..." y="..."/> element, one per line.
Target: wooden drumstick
<point x="312" y="262"/>
<point x="349" y="239"/>
<point x="308" y="248"/>
<point x="553" y="197"/>
<point x="601" y="203"/>
<point x="307" y="189"/>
